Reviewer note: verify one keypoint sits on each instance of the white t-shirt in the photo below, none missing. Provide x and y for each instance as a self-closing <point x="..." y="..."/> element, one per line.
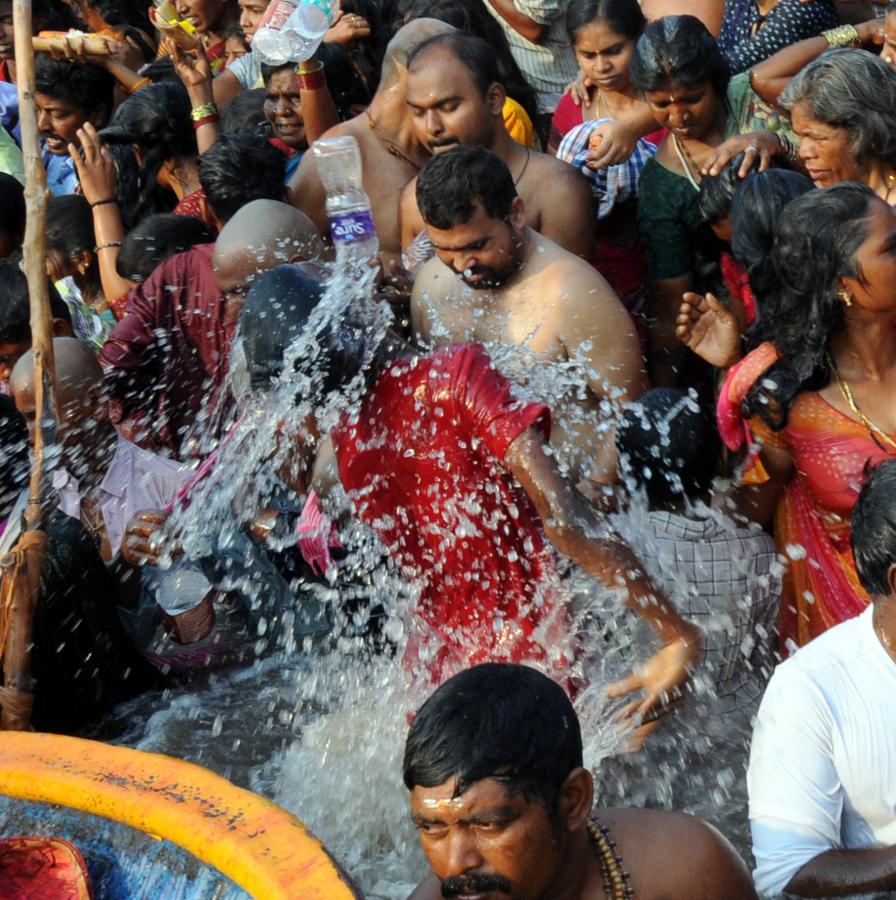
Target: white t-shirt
<point x="822" y="770"/>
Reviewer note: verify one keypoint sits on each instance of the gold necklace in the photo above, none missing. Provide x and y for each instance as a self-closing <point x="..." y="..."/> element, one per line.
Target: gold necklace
<point x="617" y="882"/>
<point x="873" y="430"/>
<point x="691" y="169"/>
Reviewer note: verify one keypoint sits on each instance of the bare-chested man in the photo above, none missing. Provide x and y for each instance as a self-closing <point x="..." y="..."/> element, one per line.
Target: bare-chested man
<point x="503" y="804"/>
<point x="549" y="321"/>
<point x="391" y="154"/>
<point x="455" y="98"/>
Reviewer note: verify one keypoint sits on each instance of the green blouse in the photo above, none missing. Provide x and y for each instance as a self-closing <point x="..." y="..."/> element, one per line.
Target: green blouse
<point x="676" y="240"/>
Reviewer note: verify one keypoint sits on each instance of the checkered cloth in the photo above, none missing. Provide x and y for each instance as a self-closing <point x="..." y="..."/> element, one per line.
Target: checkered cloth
<point x="613" y="184"/>
<point x="727" y="580"/>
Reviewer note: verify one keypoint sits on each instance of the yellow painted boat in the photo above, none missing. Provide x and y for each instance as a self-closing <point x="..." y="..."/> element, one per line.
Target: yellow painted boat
<point x="257" y="844"/>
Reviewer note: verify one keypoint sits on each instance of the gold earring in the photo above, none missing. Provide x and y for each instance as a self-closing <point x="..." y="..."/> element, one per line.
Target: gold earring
<point x="82" y="267"/>
<point x="844" y="297"/>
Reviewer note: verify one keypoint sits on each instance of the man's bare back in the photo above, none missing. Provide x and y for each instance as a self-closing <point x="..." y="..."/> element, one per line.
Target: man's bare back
<point x="384" y="176"/>
<point x="555" y="309"/>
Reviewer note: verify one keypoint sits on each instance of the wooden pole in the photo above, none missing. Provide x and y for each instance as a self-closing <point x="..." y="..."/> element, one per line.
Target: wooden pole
<point x="15" y="696"/>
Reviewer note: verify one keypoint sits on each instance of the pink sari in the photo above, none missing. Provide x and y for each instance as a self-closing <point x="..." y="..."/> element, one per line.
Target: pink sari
<point x="830" y="452"/>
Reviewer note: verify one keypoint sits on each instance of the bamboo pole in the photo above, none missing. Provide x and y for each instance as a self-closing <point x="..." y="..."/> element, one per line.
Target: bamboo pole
<point x="17" y="691"/>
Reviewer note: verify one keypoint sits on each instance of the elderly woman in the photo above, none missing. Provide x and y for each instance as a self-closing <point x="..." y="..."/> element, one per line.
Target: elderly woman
<point x="843" y="109"/>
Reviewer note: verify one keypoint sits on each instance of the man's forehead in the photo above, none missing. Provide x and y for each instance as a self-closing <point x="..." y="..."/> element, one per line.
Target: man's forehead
<point x="444" y="799"/>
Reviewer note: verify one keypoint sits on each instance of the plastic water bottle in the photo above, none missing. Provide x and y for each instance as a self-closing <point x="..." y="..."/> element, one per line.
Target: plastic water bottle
<point x="348" y="206"/>
<point x="291" y="32"/>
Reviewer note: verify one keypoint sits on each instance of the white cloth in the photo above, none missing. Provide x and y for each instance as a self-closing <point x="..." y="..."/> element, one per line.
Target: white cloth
<point x="135" y="480"/>
<point x="822" y="772"/>
<point x="247" y="70"/>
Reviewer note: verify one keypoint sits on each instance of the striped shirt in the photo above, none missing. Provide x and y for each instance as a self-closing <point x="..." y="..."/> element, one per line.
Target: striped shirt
<point x="550" y="65"/>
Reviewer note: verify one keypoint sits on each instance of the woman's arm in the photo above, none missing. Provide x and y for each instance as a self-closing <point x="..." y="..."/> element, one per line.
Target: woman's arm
<point x="769" y="78"/>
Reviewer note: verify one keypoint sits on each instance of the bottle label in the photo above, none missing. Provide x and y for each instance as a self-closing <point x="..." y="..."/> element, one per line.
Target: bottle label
<point x="276" y="14"/>
<point x="347" y="228"/>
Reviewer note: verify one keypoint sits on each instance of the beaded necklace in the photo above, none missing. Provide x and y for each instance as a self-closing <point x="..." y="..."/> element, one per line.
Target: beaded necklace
<point x="617" y="882"/>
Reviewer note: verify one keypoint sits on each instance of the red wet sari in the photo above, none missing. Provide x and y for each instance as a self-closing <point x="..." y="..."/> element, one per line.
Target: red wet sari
<point x="830" y="452"/>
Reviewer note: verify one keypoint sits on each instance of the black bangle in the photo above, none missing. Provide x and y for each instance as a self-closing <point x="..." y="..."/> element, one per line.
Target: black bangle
<point x="99" y="247"/>
<point x="104" y="202"/>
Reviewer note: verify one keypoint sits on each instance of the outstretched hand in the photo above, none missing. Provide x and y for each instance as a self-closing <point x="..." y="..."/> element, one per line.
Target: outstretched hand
<point x="192" y="68"/>
<point x="609" y="145"/>
<point x="97" y="174"/>
<point x="663" y="680"/>
<point x="709" y="328"/>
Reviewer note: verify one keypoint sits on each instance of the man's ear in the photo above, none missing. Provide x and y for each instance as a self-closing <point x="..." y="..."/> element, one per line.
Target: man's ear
<point x="495" y="98"/>
<point x="891" y="579"/>
<point x="576" y="799"/>
<point x="518" y="213"/>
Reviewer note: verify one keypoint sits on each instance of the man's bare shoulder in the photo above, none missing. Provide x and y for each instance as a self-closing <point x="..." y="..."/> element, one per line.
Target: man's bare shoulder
<point x="688" y="858"/>
<point x="570" y="276"/>
<point x="554" y="175"/>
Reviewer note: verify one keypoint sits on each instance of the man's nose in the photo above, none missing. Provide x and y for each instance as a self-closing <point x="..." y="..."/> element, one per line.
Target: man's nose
<point x="433" y="122"/>
<point x="462" y="856"/>
<point x="43" y="120"/>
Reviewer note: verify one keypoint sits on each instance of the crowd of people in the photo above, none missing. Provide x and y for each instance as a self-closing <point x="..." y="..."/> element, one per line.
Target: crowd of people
<point x="639" y="261"/>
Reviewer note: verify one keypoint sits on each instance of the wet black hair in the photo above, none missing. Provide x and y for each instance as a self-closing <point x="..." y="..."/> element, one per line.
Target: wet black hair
<point x="472" y="52"/>
<point x="238" y="169"/>
<point x="624" y="17"/>
<point x="816" y="242"/>
<point x="15" y="311"/>
<point x="85" y="87"/>
<point x="155" y="239"/>
<point x="277" y="310"/>
<point x="678" y="50"/>
<point x="51" y="15"/>
<point x="155" y="119"/>
<point x="130" y="17"/>
<point x="873" y="528"/>
<point x="70" y="232"/>
<point x="472" y="17"/>
<point x="12" y="202"/>
<point x="671" y="446"/>
<point x="451" y="183"/>
<point x="160" y="71"/>
<point x="755" y="212"/>
<point x="13" y="454"/>
<point x="245" y="115"/>
<point x="496" y="720"/>
<point x="717" y="192"/>
<point x="346" y="88"/>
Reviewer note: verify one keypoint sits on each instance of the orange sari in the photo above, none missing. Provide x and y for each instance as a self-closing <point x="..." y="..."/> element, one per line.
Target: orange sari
<point x="830" y="452"/>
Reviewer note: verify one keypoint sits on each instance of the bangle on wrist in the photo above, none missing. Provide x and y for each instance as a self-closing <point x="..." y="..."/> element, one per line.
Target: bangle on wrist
<point x="842" y="36"/>
<point x="302" y="69"/>
<point x="312" y="79"/>
<point x="105" y="246"/>
<point x="206" y="120"/>
<point x="205" y="111"/>
<point x="103" y="202"/>
<point x="137" y="85"/>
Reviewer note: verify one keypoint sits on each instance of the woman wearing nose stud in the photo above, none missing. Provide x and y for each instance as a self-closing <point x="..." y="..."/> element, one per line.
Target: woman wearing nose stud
<point x="710" y="116"/>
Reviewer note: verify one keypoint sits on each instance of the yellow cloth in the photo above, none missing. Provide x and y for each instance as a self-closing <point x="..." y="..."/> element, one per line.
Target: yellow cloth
<point x="518" y="124"/>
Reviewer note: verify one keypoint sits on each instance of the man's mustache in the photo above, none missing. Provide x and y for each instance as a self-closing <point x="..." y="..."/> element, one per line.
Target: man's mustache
<point x="474" y="884"/>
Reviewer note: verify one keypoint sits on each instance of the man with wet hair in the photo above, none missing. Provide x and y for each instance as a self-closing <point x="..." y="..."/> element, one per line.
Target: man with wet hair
<point x="391" y="154"/>
<point x="456" y="99"/>
<point x="68" y="95"/>
<point x="539" y="310"/>
<point x="822" y="774"/>
<point x="504" y="806"/>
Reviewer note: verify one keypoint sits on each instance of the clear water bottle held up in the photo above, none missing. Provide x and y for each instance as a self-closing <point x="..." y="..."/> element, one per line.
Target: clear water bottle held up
<point x="338" y="163"/>
<point x="291" y="32"/>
